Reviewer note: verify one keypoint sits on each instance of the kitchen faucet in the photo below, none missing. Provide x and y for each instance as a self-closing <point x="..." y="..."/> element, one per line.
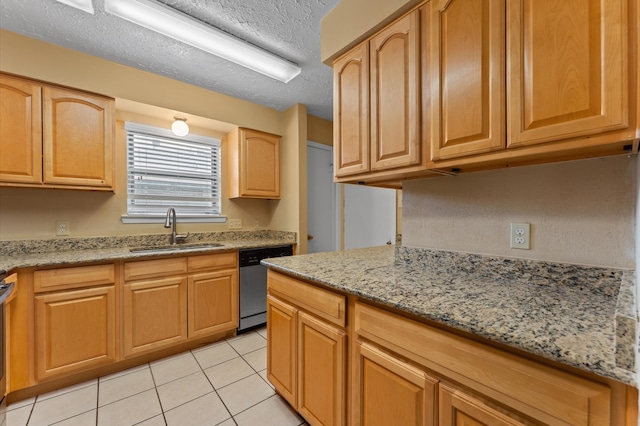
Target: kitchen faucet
<point x="171" y="221"/>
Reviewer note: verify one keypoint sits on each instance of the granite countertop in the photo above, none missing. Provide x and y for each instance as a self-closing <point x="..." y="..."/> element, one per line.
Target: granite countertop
<point x="65" y="251"/>
<point x="580" y="316"/>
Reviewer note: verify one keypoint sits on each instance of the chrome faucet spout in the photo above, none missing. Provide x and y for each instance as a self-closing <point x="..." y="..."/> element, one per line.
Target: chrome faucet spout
<point x="170" y="222"/>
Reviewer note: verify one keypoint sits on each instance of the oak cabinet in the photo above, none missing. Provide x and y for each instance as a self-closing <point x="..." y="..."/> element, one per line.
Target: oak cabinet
<point x="467" y="77"/>
<point x="172" y="300"/>
<point x="212" y="294"/>
<point x="55" y="137"/>
<point x="20" y="130"/>
<point x="254" y="164"/>
<point x="568" y="69"/>
<point x="351" y="112"/>
<point x="282" y="320"/>
<point x="377" y="103"/>
<point x="75" y="329"/>
<point x="155" y="314"/>
<point x="306" y="354"/>
<point x="507" y="76"/>
<point x="500" y="387"/>
<point x="456" y="408"/>
<point x="389" y="391"/>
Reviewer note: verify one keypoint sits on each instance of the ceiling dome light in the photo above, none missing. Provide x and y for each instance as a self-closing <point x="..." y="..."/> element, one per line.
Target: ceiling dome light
<point x="180" y="127"/>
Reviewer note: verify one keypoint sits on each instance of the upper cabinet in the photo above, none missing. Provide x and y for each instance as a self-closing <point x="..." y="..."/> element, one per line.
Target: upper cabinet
<point x="523" y="81"/>
<point x="467" y="77"/>
<point x="55" y="137"/>
<point x="462" y="85"/>
<point x="568" y="70"/>
<point x="254" y="164"/>
<point x="377" y="88"/>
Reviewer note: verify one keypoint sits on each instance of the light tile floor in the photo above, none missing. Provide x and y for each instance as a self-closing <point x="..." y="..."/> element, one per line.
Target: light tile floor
<point x="220" y="384"/>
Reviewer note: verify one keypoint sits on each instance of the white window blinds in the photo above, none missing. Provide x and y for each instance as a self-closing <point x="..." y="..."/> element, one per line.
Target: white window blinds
<point x="164" y="170"/>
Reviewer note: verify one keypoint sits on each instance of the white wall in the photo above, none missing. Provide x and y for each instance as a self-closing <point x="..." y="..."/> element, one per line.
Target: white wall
<point x="580" y="212"/>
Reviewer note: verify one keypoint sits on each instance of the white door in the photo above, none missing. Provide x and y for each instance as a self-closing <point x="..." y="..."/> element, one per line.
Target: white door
<point x="369" y="216"/>
<point x="321" y="199"/>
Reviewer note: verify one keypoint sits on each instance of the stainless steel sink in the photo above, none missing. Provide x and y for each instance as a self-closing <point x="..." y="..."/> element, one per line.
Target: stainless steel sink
<point x="173" y="247"/>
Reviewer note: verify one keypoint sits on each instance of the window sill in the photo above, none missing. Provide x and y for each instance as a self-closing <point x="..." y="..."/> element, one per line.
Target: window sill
<point x="180" y="219"/>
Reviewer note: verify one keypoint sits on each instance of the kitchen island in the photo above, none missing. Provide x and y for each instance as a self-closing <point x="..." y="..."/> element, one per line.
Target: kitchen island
<point x="427" y="306"/>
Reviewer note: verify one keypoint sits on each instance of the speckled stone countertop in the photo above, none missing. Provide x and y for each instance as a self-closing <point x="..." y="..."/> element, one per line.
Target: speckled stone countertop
<point x="64" y="251"/>
<point x="577" y="315"/>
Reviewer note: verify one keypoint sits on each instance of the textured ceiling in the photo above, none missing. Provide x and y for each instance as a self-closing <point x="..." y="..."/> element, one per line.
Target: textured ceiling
<point x="288" y="28"/>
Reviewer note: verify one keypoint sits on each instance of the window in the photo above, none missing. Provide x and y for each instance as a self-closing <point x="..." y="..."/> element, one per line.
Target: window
<point x="164" y="170"/>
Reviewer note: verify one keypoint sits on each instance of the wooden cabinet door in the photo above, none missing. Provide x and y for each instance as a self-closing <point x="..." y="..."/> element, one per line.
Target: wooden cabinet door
<point x="568" y="70"/>
<point x="351" y="112"/>
<point x="212" y="302"/>
<point x="20" y="130"/>
<point x="459" y="409"/>
<point x="321" y="371"/>
<point x="467" y="77"/>
<point x="281" y="348"/>
<point x="155" y="314"/>
<point x="254" y="164"/>
<point x="395" y="94"/>
<point x="390" y="392"/>
<point x="78" y="138"/>
<point x="75" y="331"/>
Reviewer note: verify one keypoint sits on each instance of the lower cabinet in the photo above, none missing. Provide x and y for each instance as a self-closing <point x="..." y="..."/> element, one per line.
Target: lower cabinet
<point x="321" y="371"/>
<point x="212" y="302"/>
<point x="391" y="391"/>
<point x="172" y="300"/>
<point x="155" y="314"/>
<point x="459" y="408"/>
<point x="306" y="354"/>
<point x="405" y="372"/>
<point x="75" y="320"/>
<point x="75" y="330"/>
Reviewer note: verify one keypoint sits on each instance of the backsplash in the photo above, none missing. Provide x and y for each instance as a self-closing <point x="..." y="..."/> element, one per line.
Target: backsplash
<point x="19" y="247"/>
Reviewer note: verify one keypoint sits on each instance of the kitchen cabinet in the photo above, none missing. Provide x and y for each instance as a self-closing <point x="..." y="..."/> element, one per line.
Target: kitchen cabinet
<point x="526" y="82"/>
<point x="467" y="77"/>
<point x="458" y="408"/>
<point x="20" y="130"/>
<point x="155" y="314"/>
<point x="254" y="164"/>
<point x="390" y="391"/>
<point x="75" y="325"/>
<point x="377" y="107"/>
<point x="55" y="137"/>
<point x="212" y="294"/>
<point x="172" y="300"/>
<point x="498" y="387"/>
<point x="306" y="348"/>
<point x="568" y="69"/>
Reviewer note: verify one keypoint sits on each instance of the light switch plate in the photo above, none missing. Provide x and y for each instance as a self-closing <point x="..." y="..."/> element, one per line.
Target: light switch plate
<point x="235" y="223"/>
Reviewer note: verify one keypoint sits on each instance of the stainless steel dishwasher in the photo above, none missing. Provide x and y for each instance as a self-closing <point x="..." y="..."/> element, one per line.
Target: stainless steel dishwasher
<point x="253" y="285"/>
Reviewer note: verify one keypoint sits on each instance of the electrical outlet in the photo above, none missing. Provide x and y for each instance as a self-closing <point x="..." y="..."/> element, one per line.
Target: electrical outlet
<point x="235" y="223"/>
<point x="256" y="224"/>
<point x="521" y="236"/>
<point x="62" y="227"/>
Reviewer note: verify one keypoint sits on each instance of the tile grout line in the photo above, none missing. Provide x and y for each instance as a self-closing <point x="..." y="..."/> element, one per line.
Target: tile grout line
<point x="155" y="387"/>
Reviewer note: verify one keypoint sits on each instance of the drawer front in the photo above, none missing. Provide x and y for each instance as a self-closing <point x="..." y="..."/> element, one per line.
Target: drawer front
<point x="155" y="268"/>
<point x="544" y="393"/>
<point x="70" y="278"/>
<point x="323" y="303"/>
<point x="213" y="261"/>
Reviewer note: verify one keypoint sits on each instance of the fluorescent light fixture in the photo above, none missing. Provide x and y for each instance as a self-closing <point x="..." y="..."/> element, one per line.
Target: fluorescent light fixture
<point x="84" y="5"/>
<point x="180" y="126"/>
<point x="179" y="26"/>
